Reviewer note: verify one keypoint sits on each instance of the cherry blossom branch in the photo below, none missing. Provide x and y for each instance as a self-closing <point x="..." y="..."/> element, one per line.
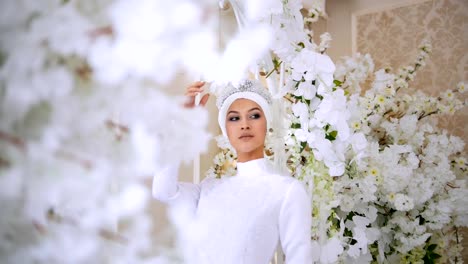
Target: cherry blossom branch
<point x="14" y="140"/>
<point x="87" y="164"/>
<point x="54" y="217"/>
<point x="101" y="31"/>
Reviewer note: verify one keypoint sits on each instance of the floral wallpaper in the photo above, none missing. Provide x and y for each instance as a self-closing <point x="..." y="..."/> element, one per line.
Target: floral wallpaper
<point x="392" y="37"/>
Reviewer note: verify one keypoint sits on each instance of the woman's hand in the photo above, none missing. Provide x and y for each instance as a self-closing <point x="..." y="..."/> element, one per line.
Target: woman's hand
<point x="192" y="91"/>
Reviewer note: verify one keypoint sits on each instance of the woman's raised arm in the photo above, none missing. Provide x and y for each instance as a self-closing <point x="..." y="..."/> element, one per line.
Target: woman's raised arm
<point x="166" y="186"/>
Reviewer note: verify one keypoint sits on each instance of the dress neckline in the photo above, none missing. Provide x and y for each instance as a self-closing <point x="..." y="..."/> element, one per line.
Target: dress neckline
<point x="252" y="167"/>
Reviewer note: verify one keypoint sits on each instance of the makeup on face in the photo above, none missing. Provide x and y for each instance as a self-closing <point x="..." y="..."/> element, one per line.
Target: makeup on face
<point x="246" y="127"/>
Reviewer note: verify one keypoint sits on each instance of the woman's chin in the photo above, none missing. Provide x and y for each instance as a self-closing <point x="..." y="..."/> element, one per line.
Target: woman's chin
<point x="248" y="149"/>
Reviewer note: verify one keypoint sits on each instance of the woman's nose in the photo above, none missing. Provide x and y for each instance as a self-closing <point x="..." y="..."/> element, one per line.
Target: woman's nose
<point x="245" y="125"/>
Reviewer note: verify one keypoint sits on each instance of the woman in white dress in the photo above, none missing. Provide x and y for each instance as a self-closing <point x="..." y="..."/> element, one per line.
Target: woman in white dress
<point x="245" y="216"/>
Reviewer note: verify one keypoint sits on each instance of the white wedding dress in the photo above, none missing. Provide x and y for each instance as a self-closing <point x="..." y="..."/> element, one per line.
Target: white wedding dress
<point x="242" y="218"/>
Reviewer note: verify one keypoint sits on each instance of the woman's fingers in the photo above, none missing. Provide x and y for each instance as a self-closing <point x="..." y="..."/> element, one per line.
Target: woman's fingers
<point x="190" y="103"/>
<point x="204" y="99"/>
<point x="194" y="88"/>
<point x="198" y="84"/>
<point x="192" y="91"/>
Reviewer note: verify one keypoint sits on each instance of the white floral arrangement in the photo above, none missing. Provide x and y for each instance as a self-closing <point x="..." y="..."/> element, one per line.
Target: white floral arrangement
<point x="406" y="188"/>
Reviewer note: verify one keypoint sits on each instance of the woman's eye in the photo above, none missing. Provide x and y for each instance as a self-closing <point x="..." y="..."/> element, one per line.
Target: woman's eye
<point x="233" y="118"/>
<point x="255" y="116"/>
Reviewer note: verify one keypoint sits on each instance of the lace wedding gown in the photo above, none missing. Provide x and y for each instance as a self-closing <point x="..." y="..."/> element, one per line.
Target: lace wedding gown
<point x="243" y="217"/>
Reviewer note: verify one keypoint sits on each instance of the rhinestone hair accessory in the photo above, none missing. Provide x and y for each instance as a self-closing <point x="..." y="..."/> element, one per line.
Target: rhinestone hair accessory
<point x="244" y="86"/>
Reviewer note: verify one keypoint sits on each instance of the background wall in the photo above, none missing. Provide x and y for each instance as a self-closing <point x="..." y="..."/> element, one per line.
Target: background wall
<point x="340" y="17"/>
<point x="391" y="32"/>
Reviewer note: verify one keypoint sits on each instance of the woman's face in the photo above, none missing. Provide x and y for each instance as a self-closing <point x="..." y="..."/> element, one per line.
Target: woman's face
<point x="246" y="127"/>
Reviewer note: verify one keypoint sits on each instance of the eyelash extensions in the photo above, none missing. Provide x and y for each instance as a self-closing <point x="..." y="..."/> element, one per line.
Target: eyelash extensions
<point x="237" y="118"/>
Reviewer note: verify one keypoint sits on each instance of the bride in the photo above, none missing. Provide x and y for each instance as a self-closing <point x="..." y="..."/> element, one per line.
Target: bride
<point x="243" y="217"/>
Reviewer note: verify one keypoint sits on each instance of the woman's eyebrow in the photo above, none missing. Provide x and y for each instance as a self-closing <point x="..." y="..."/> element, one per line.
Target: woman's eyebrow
<point x="255" y="108"/>
<point x="236" y="112"/>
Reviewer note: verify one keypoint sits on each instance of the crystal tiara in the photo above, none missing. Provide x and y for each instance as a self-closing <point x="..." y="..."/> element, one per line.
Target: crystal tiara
<point x="244" y="86"/>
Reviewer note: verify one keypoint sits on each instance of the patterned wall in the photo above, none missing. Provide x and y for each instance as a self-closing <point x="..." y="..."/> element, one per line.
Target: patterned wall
<point x="392" y="36"/>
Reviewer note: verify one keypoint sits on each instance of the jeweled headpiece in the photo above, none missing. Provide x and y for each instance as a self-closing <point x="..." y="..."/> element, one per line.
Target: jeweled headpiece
<point x="244" y="86"/>
<point x="247" y="89"/>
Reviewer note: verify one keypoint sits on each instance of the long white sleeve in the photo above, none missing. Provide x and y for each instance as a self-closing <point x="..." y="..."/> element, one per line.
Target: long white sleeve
<point x="294" y="225"/>
<point x="165" y="183"/>
<point x="166" y="187"/>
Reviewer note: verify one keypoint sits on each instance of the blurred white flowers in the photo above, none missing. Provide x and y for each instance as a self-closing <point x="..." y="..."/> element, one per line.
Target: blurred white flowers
<point x="84" y="119"/>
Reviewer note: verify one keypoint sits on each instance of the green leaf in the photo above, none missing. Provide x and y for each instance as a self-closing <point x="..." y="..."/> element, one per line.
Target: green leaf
<point x="303" y="145"/>
<point x="431" y="247"/>
<point x="300" y="44"/>
<point x="296" y="125"/>
<point x="332" y="135"/>
<point x="337" y="83"/>
<point x="276" y="62"/>
<point x="3" y="58"/>
<point x="422" y="221"/>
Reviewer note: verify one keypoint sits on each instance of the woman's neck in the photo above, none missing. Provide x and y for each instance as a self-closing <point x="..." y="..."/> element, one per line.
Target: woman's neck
<point x="248" y="156"/>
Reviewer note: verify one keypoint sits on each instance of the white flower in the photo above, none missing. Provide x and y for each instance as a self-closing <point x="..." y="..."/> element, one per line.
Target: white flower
<point x="461" y="163"/>
<point x="335" y="168"/>
<point x="310" y="65"/>
<point x="382" y="81"/>
<point x="403" y="202"/>
<point x="325" y="40"/>
<point x="461" y="86"/>
<point x="448" y="95"/>
<point x="301" y="110"/>
<point x="306" y="89"/>
<point x="354" y="70"/>
<point x="333" y="111"/>
<point x="313" y="15"/>
<point x="359" y="142"/>
<point x="356" y="125"/>
<point x="223" y="142"/>
<point x="380" y="100"/>
<point x="408" y="125"/>
<point x="329" y="252"/>
<point x="301" y="134"/>
<point x="256" y="10"/>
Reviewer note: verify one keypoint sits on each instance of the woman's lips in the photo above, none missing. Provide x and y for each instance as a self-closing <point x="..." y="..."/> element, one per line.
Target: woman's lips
<point x="246" y="136"/>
